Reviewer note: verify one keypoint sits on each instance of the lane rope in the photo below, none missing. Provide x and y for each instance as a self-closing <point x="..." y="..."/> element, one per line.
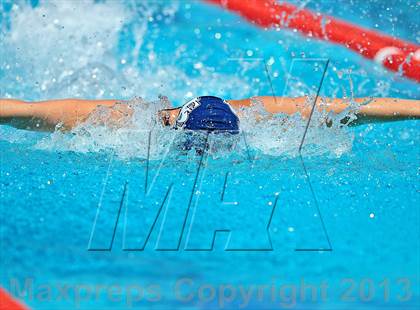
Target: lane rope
<point x="7" y="302"/>
<point x="395" y="54"/>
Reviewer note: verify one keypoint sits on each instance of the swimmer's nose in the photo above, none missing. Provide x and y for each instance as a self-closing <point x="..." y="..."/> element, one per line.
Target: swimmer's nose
<point x="168" y="116"/>
<point x="164" y="117"/>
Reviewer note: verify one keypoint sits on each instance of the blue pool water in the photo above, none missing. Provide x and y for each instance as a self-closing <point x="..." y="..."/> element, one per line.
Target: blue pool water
<point x="61" y="194"/>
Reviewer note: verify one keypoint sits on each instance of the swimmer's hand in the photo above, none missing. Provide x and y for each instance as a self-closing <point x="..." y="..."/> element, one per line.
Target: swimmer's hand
<point x="63" y="114"/>
<point x="367" y="110"/>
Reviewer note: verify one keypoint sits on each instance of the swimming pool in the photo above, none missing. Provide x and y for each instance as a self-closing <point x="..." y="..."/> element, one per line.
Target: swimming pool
<point x="62" y="194"/>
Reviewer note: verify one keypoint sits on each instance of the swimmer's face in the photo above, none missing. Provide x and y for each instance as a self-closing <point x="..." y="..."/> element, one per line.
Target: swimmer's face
<point x="168" y="116"/>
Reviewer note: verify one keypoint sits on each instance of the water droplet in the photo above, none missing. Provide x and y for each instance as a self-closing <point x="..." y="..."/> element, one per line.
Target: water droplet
<point x="198" y="65"/>
<point x="270" y="61"/>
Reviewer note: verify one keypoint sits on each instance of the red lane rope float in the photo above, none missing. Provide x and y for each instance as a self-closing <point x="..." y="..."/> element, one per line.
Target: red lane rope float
<point x="394" y="54"/>
<point x="8" y="303"/>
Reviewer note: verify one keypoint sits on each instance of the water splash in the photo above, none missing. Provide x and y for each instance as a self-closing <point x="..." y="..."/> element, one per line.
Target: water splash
<point x="138" y="134"/>
<point x="127" y="129"/>
<point x="37" y="45"/>
<point x="281" y="134"/>
<point x="79" y="49"/>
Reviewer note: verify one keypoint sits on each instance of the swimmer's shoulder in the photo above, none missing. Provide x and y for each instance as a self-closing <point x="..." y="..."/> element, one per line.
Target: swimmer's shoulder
<point x="237" y="104"/>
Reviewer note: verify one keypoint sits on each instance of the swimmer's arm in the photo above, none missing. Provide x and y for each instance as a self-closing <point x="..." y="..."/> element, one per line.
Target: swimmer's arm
<point x="46" y="115"/>
<point x="371" y="109"/>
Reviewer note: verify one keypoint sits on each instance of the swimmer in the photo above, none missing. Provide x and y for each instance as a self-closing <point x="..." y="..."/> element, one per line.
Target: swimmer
<point x="207" y="113"/>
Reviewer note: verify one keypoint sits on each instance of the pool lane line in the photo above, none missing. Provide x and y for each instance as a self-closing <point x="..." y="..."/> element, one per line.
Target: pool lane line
<point x="402" y="57"/>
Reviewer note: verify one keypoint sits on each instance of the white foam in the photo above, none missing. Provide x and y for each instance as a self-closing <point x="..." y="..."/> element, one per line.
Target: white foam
<point x="70" y="49"/>
<point x="282" y="134"/>
<point x="40" y="37"/>
<point x="278" y="135"/>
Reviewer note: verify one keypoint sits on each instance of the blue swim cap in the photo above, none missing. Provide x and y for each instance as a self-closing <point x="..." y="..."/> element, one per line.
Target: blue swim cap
<point x="208" y="113"/>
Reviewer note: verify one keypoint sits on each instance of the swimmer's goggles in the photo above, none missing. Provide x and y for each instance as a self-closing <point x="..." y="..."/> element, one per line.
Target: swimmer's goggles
<point x="165" y="116"/>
